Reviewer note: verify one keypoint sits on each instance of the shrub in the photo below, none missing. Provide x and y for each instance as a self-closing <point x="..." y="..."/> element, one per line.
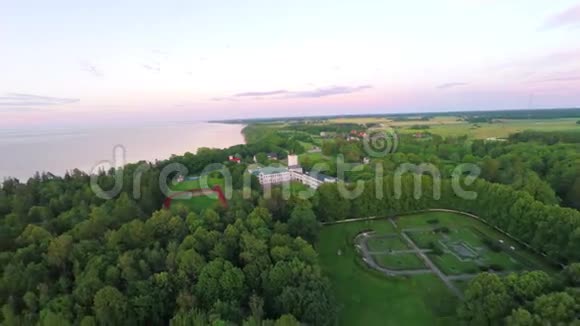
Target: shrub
<point x="483" y="268"/>
<point x="496" y="267"/>
<point x="442" y="229"/>
<point x="492" y="245"/>
<point x="433" y="221"/>
<point x="436" y="249"/>
<point x="493" y="267"/>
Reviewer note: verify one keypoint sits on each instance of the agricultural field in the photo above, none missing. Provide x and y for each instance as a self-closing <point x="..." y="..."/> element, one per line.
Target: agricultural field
<point x="455" y="126"/>
<point x="456" y="244"/>
<point x="398" y="123"/>
<point x="497" y="129"/>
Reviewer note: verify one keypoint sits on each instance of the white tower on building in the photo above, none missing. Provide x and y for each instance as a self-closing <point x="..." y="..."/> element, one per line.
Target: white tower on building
<point x="293" y="164"/>
<point x="292" y="160"/>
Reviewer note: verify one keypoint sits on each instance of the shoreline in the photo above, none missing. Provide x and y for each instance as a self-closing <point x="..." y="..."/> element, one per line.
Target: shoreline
<point x="57" y="152"/>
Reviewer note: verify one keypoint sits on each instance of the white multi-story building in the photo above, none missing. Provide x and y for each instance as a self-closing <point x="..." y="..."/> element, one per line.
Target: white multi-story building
<point x="277" y="175"/>
<point x="272" y="175"/>
<point x="311" y="180"/>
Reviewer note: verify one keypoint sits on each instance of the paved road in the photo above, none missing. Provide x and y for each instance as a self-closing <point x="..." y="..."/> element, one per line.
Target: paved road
<point x="433" y="267"/>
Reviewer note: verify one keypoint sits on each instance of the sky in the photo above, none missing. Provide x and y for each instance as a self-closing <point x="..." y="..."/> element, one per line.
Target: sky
<point x="81" y="62"/>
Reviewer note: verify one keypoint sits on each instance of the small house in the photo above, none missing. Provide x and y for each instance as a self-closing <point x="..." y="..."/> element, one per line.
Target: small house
<point x="235" y="159"/>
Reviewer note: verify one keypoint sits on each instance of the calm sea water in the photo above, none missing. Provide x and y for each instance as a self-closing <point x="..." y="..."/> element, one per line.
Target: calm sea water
<point x="23" y="152"/>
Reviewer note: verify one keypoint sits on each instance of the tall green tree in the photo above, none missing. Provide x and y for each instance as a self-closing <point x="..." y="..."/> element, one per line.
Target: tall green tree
<point x="110" y="306"/>
<point x="303" y="223"/>
<point x="486" y="301"/>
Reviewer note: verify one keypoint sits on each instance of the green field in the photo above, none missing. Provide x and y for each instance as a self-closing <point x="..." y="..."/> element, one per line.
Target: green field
<point x="313" y="157"/>
<point x="385" y="243"/>
<point x="423" y="239"/>
<point x="473" y="232"/>
<point x="454" y="126"/>
<point x="450" y="265"/>
<point x="194" y="184"/>
<point x="502" y="129"/>
<point x="399" y="261"/>
<point x="200" y="203"/>
<point x="368" y="297"/>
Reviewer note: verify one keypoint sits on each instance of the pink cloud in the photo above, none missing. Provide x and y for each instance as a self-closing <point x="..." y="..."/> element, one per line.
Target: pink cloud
<point x="567" y="17"/>
<point x="285" y="94"/>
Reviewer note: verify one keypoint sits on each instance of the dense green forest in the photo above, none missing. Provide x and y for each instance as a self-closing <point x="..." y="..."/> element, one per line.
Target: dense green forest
<point x="70" y="257"/>
<point x="546" y="165"/>
<point x="531" y="298"/>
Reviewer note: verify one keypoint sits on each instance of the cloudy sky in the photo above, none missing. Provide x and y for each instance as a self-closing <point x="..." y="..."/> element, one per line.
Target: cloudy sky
<point x="80" y="61"/>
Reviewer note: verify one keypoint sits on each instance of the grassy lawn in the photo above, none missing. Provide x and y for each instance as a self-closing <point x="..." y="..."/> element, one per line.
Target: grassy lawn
<point x="317" y="140"/>
<point x="200" y="203"/>
<point x="307" y="146"/>
<point x="313" y="157"/>
<point x="504" y="260"/>
<point x="369" y="298"/>
<point x="297" y="187"/>
<point x="461" y="284"/>
<point x="197" y="204"/>
<point x="423" y="239"/>
<point x="194" y="184"/>
<point x="466" y="235"/>
<point x="386" y="243"/>
<point x="451" y="265"/>
<point x="350" y="230"/>
<point x="400" y="261"/>
<point x="471" y="231"/>
<point x="421" y="220"/>
<point x="526" y="258"/>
